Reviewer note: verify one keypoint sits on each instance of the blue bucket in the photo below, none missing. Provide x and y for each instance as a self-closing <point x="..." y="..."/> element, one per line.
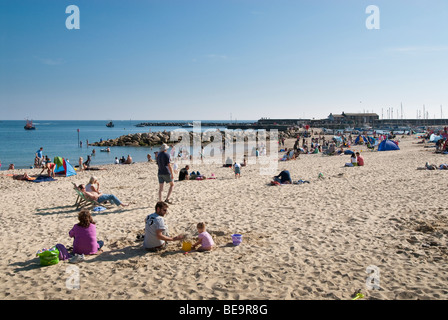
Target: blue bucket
<point x="237" y="239"/>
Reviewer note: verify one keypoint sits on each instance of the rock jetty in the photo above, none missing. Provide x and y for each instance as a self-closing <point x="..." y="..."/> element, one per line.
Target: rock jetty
<point x="158" y="138"/>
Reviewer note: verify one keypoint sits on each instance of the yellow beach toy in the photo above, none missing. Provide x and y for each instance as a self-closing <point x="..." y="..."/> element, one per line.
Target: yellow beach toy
<point x="358" y="296"/>
<point x="186" y="246"/>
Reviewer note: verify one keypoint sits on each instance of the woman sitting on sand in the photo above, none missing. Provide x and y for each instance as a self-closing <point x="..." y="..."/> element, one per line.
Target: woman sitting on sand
<point x="353" y="161"/>
<point x="84" y="234"/>
<point x="86" y="164"/>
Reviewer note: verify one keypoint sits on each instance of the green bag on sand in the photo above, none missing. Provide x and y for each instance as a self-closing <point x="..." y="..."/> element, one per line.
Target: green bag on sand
<point x="48" y="256"/>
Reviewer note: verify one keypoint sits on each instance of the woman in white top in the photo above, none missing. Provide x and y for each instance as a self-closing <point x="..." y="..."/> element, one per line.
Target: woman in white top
<point x="93" y="185"/>
<point x="353" y="161"/>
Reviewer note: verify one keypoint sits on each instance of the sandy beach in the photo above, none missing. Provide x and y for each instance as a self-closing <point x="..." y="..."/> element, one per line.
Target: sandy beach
<point x="314" y="241"/>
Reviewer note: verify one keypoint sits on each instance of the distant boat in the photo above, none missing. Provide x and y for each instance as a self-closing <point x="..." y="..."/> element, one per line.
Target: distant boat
<point x="110" y="124"/>
<point x="29" y="125"/>
<point x="188" y="125"/>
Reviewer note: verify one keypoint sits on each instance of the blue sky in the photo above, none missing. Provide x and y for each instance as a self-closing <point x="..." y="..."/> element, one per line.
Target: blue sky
<point x="221" y="59"/>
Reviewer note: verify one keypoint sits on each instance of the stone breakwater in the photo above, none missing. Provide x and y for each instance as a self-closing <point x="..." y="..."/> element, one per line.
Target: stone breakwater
<point x="159" y="138"/>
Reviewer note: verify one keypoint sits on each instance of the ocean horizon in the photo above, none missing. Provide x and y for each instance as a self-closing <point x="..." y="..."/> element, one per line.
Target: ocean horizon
<point x="60" y="138"/>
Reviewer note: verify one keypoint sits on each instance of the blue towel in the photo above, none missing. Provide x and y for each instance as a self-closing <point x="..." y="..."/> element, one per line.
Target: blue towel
<point x="43" y="179"/>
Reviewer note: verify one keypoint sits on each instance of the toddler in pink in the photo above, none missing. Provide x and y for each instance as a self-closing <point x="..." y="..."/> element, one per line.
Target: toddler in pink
<point x="204" y="239"/>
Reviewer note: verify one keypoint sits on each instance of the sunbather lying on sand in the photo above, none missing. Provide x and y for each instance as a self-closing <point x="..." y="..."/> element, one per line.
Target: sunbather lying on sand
<point x="24" y="176"/>
<point x="428" y="166"/>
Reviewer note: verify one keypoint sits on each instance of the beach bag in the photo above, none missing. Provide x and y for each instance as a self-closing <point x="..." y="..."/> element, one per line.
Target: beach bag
<point x="63" y="252"/>
<point x="48" y="256"/>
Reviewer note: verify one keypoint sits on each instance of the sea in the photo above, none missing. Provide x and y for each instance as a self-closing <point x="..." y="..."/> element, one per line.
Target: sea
<point x="61" y="138"/>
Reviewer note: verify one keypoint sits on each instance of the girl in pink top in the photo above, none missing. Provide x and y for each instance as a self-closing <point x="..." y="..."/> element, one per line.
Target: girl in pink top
<point x="85" y="234"/>
<point x="204" y="239"/>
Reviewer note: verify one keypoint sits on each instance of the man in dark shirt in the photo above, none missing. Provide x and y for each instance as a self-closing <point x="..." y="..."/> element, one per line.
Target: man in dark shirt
<point x="183" y="174"/>
<point x="284" y="177"/>
<point x="165" y="172"/>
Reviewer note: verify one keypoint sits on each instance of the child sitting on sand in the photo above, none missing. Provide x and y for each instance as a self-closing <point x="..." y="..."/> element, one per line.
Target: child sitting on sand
<point x="204" y="239"/>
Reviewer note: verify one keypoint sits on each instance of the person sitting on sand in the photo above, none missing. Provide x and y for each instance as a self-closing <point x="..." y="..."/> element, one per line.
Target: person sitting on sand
<point x="100" y="198"/>
<point x="11" y="166"/>
<point x="283" y="177"/>
<point x="332" y="149"/>
<point x="86" y="164"/>
<point x="359" y="159"/>
<point x="205" y="240"/>
<point x="84" y="234"/>
<point x="291" y="154"/>
<point x="183" y="173"/>
<point x="244" y="161"/>
<point x="128" y="160"/>
<point x="228" y="163"/>
<point x="149" y="158"/>
<point x="93" y="185"/>
<point x="37" y="163"/>
<point x="156" y="230"/>
<point x="353" y="162"/>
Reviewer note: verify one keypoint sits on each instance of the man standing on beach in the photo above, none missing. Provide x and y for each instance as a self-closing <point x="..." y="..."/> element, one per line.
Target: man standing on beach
<point x="40" y="156"/>
<point x="165" y="172"/>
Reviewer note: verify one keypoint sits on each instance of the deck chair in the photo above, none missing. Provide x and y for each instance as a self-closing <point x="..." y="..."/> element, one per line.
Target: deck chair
<point x="79" y="199"/>
<point x="82" y="200"/>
